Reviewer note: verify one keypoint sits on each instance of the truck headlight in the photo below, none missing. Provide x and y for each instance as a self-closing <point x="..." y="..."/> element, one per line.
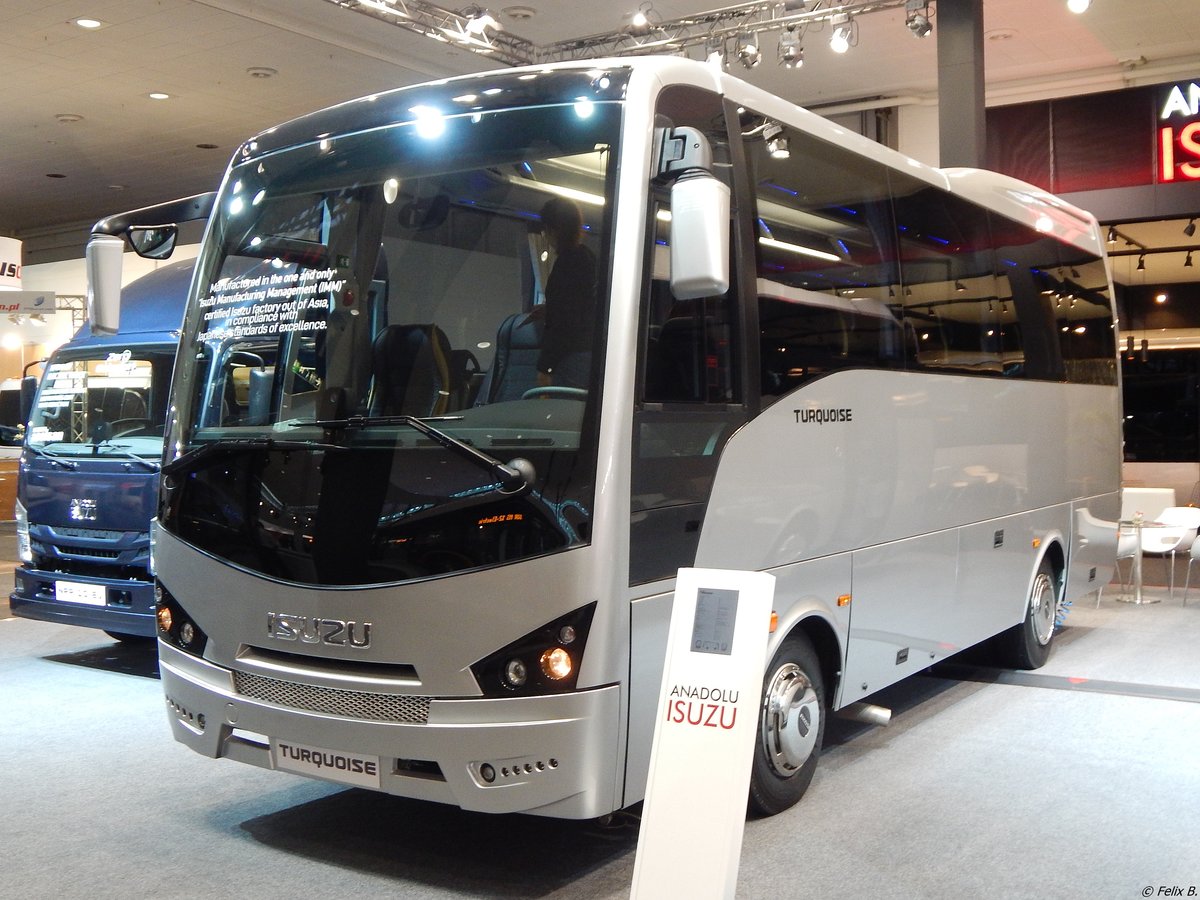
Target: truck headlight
<point x="24" y="546"/>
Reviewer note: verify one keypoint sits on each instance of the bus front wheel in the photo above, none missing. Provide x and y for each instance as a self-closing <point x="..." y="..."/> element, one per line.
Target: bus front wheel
<point x="1027" y="646"/>
<point x="791" y="726"/>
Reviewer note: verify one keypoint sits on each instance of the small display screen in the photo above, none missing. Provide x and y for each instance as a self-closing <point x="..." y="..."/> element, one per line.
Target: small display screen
<point x="712" y="630"/>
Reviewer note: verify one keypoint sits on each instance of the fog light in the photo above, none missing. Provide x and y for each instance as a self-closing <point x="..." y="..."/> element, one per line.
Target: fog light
<point x="567" y="634"/>
<point x="187" y="633"/>
<point x="487" y="772"/>
<point x="556" y="663"/>
<point x="515" y="672"/>
<point x="164" y="618"/>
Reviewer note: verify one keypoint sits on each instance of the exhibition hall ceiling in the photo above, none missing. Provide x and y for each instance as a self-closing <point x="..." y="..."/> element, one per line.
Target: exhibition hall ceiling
<point x="82" y="138"/>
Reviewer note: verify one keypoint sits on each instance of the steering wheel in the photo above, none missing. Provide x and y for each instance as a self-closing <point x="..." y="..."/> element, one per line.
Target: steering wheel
<point x="128" y="426"/>
<point x="555" y="390"/>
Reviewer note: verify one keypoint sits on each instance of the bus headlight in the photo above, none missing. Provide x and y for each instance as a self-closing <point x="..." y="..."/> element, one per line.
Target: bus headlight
<point x="175" y="627"/>
<point x="515" y="673"/>
<point x="556" y="664"/>
<point x="545" y="661"/>
<point x="24" y="546"/>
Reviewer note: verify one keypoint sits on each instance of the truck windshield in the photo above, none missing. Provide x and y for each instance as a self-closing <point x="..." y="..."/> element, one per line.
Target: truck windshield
<point x="103" y="402"/>
<point x="421" y="272"/>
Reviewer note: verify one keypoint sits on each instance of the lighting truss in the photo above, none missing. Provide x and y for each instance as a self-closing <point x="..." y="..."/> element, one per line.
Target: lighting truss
<point x="704" y="29"/>
<point x="458" y="28"/>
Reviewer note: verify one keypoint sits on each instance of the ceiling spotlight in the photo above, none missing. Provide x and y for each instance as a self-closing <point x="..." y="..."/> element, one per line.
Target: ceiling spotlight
<point x="479" y="21"/>
<point x="642" y="19"/>
<point x="843" y="34"/>
<point x="1078" y="6"/>
<point x="959" y="286"/>
<point x="1187" y="263"/>
<point x="1141" y="262"/>
<point x="747" y="49"/>
<point x="917" y="17"/>
<point x="1112" y="234"/>
<point x="776" y="140"/>
<point x="1190" y="228"/>
<point x="791" y="52"/>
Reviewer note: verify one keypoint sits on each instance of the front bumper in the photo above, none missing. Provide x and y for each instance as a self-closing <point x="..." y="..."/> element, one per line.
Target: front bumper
<point x="554" y="755"/>
<point x="129" y="606"/>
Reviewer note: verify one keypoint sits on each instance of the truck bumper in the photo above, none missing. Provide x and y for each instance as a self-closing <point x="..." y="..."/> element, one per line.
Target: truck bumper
<point x="128" y="606"/>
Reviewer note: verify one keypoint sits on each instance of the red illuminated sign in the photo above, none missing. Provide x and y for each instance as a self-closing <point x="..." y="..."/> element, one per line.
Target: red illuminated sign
<point x="1179" y="135"/>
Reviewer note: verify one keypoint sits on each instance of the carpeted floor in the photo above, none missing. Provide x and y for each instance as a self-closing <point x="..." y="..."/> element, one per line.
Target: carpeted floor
<point x="1075" y="782"/>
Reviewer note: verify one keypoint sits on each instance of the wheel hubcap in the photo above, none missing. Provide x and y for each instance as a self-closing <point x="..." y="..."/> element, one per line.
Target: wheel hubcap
<point x="791" y="719"/>
<point x="1042" y="608"/>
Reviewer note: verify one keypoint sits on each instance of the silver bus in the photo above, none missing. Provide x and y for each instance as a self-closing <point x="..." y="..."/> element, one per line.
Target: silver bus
<point x="435" y="457"/>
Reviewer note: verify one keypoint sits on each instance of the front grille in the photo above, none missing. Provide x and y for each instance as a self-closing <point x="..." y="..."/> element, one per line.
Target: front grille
<point x="95" y="534"/>
<point x="335" y="701"/>
<point x="93" y="552"/>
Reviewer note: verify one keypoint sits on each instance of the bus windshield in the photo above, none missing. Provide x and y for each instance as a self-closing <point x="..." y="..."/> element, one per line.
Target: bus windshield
<point x="103" y="402"/>
<point x="402" y="316"/>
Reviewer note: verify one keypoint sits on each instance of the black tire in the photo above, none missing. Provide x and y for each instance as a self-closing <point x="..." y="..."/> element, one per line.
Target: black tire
<point x="1027" y="646"/>
<point x="133" y="640"/>
<point x="791" y="727"/>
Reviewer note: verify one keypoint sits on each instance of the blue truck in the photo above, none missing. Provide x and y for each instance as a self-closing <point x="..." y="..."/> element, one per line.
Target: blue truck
<point x="88" y="480"/>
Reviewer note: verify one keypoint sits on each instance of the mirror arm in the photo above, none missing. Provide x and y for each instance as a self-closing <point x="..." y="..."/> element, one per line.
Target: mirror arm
<point x="185" y="209"/>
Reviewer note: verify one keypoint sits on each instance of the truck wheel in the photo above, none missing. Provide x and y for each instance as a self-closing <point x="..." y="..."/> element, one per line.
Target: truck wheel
<point x="791" y="726"/>
<point x="1027" y="646"/>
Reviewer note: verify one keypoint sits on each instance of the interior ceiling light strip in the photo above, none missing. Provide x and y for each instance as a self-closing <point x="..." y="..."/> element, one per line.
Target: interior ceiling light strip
<point x="672" y="36"/>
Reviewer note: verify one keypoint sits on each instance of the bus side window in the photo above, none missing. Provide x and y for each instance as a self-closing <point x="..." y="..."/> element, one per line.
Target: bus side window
<point x="827" y="272"/>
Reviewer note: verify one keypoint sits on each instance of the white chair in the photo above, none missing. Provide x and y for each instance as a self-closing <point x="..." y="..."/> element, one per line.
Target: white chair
<point x="1150" y="502"/>
<point x="1128" y="547"/>
<point x="1192" y="557"/>
<point x="1175" y="529"/>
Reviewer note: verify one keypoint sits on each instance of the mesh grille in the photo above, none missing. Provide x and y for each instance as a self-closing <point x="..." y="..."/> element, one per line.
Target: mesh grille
<point x="97" y="534"/>
<point x="335" y="701"/>
<point x="89" y="551"/>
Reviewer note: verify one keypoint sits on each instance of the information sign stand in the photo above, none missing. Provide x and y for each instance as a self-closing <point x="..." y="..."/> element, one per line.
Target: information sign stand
<point x="695" y="809"/>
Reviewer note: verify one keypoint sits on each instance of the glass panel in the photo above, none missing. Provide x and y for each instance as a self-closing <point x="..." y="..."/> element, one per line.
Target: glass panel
<point x="364" y="354"/>
<point x="689" y="375"/>
<point x="108" y="403"/>
<point x="827" y="272"/>
<point x="957" y="309"/>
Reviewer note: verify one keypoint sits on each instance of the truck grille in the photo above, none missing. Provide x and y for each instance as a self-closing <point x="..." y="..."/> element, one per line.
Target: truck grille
<point x="335" y="701"/>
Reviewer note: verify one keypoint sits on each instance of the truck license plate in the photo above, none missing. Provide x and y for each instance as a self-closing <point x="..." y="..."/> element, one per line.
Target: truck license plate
<point x="78" y="592"/>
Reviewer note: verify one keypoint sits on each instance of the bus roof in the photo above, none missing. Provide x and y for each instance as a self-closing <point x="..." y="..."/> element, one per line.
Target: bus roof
<point x="1025" y="203"/>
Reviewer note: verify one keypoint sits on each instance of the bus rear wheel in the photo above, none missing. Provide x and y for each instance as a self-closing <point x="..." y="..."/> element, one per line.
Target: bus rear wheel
<point x="791" y="726"/>
<point x="1027" y="646"/>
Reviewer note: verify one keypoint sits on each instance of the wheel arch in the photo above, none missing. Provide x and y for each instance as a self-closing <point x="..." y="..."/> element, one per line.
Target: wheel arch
<point x="824" y="640"/>
<point x="1053" y="550"/>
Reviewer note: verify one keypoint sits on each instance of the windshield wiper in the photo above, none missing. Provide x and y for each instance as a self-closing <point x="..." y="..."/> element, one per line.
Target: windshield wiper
<point x="56" y="459"/>
<point x="150" y="464"/>
<point x="515" y="476"/>
<point x="192" y="459"/>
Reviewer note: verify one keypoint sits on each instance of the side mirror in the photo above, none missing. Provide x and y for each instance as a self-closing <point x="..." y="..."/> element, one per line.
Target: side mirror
<point x="699" y="236"/>
<point x="28" y="389"/>
<point x="152" y="242"/>
<point x="103" y="258"/>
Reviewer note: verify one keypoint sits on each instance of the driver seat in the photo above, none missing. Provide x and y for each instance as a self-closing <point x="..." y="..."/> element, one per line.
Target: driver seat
<point x="514" y="367"/>
<point x="411" y="367"/>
